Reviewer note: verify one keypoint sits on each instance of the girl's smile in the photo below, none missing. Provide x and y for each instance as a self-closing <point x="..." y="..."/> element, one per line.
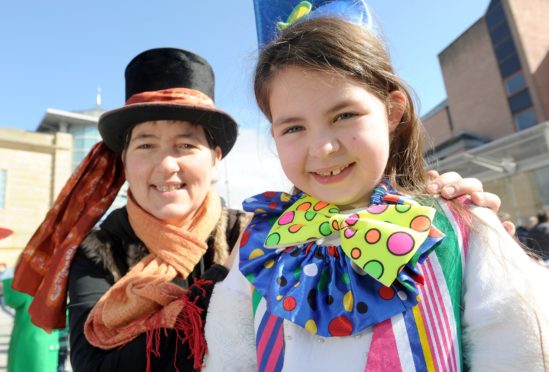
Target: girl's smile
<point x="334" y="174"/>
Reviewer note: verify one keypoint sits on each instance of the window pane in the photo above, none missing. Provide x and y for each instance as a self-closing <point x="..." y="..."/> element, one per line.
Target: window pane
<point x="525" y="119"/>
<point x="494" y="15"/>
<point x="542" y="179"/>
<point x="514" y="83"/>
<point x="77" y="157"/>
<point x="76" y="130"/>
<point x="500" y="33"/>
<point x="3" y="182"/>
<point x="509" y="66"/>
<point x="78" y="142"/>
<point x="91" y="131"/>
<point x="520" y="101"/>
<point x="89" y="142"/>
<point x="505" y="49"/>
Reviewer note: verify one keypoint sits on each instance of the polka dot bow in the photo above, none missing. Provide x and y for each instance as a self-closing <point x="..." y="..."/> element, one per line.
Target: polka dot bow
<point x="381" y="239"/>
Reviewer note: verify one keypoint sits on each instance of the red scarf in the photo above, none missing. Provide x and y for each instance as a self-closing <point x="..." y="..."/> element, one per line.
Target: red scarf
<point x="45" y="262"/>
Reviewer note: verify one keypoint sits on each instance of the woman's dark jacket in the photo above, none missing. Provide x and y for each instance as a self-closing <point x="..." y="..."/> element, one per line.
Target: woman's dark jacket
<point x="104" y="257"/>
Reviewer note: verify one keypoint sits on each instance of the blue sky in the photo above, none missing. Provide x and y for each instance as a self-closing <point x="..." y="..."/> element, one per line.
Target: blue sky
<point x="55" y="54"/>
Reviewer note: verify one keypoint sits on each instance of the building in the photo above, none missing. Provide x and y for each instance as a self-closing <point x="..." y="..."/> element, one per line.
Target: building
<point x="81" y="125"/>
<point x="495" y="115"/>
<point x="33" y="169"/>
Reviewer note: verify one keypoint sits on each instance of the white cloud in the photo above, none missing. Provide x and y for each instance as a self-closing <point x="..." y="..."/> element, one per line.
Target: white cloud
<point x="250" y="168"/>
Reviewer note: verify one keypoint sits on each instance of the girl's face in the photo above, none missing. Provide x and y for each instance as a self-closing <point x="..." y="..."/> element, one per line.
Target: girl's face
<point x="331" y="134"/>
<point x="170" y="168"/>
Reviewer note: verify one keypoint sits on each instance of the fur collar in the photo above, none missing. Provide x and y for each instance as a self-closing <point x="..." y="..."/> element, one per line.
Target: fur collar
<point x="119" y="255"/>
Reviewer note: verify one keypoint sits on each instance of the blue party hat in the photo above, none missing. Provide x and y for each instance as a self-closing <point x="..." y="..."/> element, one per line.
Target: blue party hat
<point x="272" y="16"/>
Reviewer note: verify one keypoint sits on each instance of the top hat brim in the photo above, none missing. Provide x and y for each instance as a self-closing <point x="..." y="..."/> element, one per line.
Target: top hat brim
<point x="113" y="125"/>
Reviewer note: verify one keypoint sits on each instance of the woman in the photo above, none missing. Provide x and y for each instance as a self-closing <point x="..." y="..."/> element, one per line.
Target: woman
<point x="168" y="140"/>
<point x="128" y="278"/>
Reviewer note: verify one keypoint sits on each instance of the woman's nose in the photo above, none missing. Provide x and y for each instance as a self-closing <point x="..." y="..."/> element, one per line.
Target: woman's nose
<point x="169" y="163"/>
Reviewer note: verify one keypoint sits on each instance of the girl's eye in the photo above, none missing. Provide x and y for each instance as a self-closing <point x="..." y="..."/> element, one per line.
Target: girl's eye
<point x="345" y="115"/>
<point x="144" y="146"/>
<point x="185" y="146"/>
<point x="292" y="129"/>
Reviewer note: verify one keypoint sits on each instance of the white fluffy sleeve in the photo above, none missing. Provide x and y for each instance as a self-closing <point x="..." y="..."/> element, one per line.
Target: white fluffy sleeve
<point x="229" y="326"/>
<point x="506" y="302"/>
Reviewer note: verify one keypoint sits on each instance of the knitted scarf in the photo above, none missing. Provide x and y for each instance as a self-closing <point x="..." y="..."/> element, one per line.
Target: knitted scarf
<point x="145" y="299"/>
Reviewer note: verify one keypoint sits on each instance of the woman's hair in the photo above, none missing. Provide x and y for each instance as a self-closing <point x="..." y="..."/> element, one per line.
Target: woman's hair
<point x="336" y="46"/>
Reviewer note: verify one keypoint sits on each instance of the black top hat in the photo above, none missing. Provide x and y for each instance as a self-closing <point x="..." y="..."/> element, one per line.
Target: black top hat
<point x="168" y="84"/>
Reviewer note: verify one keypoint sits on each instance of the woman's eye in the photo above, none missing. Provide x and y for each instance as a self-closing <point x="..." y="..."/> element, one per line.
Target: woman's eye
<point x="345" y="115"/>
<point x="185" y="146"/>
<point x="144" y="146"/>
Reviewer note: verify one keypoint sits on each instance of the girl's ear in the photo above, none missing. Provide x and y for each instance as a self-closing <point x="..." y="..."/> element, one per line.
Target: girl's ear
<point x="396" y="106"/>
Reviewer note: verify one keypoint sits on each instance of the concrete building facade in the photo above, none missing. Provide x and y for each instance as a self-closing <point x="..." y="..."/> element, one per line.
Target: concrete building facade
<point x="34" y="168"/>
<point x="496" y="76"/>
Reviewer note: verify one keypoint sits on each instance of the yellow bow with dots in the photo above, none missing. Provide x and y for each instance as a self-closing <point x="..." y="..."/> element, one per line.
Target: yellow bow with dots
<point x="380" y="239"/>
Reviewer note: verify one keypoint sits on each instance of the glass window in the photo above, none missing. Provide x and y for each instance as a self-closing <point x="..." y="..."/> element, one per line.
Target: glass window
<point x="525" y="119"/>
<point x="520" y="101"/>
<point x="76" y="130"/>
<point x="89" y="142"/>
<point x="505" y="49"/>
<point x="542" y="179"/>
<point x="91" y="132"/>
<point x="3" y="183"/>
<point x="78" y="142"/>
<point x="514" y="83"/>
<point x="500" y="33"/>
<point x="77" y="157"/>
<point x="495" y="14"/>
<point x="509" y="66"/>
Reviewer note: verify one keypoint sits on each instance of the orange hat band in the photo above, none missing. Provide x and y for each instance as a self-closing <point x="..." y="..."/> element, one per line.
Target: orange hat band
<point x="182" y="96"/>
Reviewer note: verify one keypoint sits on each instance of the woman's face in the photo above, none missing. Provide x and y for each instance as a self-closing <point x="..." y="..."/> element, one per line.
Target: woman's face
<point x="170" y="168"/>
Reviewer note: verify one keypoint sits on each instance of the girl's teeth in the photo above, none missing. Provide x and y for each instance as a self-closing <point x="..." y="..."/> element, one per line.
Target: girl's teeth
<point x="168" y="188"/>
<point x="331" y="173"/>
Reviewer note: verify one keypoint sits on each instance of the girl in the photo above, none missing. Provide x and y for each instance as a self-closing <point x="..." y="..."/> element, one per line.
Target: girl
<point x="350" y="273"/>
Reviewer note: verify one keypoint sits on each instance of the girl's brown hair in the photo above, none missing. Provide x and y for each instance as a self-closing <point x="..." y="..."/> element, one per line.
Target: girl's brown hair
<point x="348" y="50"/>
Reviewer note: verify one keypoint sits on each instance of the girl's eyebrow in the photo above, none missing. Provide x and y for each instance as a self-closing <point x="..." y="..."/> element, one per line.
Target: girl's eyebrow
<point x="336" y="107"/>
<point x="285" y="120"/>
<point x="340" y="105"/>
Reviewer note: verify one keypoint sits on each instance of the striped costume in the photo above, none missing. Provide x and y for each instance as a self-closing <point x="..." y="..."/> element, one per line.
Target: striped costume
<point x="441" y="333"/>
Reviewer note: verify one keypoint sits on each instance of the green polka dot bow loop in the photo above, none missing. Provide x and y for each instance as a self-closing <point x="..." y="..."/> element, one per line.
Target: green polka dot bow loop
<point x="381" y="239"/>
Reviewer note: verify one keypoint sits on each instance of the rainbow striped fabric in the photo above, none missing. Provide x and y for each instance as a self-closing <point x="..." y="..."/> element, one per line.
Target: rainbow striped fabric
<point x="425" y="338"/>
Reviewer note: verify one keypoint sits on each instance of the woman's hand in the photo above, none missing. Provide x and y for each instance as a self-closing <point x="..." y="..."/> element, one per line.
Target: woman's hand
<point x="451" y="185"/>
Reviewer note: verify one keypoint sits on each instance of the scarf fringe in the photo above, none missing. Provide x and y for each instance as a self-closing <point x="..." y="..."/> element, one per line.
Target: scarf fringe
<point x="188" y="328"/>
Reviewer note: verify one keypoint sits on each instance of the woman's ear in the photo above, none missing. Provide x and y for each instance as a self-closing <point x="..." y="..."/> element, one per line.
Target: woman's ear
<point x="216" y="160"/>
<point x="216" y="156"/>
<point x="396" y="106"/>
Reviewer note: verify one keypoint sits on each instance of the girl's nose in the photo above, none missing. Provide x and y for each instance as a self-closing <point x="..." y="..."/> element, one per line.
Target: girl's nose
<point x="324" y="146"/>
